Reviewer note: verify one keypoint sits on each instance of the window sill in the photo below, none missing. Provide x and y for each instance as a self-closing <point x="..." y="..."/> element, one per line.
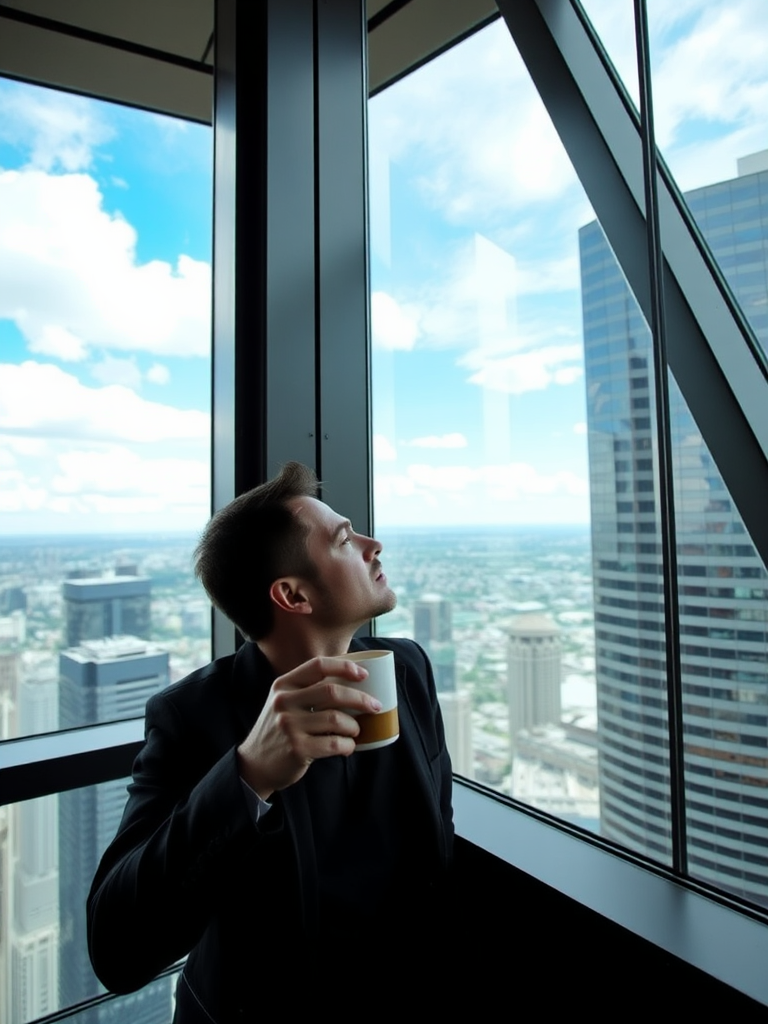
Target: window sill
<point x="716" y="938"/>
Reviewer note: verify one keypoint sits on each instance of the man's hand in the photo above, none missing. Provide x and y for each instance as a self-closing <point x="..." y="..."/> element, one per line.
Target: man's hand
<point x="303" y="719"/>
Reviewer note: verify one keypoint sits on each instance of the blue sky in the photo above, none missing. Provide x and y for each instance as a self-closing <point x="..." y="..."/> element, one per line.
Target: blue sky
<point x="479" y="408"/>
<point x="105" y="253"/>
<point x="479" y="399"/>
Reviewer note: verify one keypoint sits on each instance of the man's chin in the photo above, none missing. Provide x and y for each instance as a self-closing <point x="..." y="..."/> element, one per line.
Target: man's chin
<point x="388" y="603"/>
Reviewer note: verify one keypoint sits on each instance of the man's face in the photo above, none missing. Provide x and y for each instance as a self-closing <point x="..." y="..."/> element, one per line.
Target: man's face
<point x="349" y="586"/>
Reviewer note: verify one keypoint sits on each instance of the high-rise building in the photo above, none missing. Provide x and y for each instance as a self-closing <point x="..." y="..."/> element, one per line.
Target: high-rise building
<point x="34" y="927"/>
<point x="433" y="630"/>
<point x="533" y="673"/>
<point x="107" y="606"/>
<point x="102" y="680"/>
<point x="723" y="593"/>
<point x="432" y="619"/>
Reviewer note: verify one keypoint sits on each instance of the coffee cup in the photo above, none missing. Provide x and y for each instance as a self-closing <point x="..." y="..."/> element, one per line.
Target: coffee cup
<point x="383" y="728"/>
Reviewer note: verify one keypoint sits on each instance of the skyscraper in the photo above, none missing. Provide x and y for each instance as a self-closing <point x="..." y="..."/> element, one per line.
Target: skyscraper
<point x="533" y="673"/>
<point x="433" y="630"/>
<point x="34" y="931"/>
<point x="722" y="582"/>
<point x="102" y="680"/>
<point x="107" y="606"/>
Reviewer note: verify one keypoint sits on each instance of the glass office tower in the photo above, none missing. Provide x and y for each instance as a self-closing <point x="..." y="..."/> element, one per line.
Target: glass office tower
<point x="107" y="606"/>
<point x="102" y="680"/>
<point x="723" y="593"/>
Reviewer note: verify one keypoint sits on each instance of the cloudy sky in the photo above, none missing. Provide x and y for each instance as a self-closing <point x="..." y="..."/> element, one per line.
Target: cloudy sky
<point x="479" y="408"/>
<point x="479" y="411"/>
<point x="105" y="251"/>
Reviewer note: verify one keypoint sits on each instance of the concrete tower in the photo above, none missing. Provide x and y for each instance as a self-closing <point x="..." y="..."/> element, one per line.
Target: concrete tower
<point x="533" y="673"/>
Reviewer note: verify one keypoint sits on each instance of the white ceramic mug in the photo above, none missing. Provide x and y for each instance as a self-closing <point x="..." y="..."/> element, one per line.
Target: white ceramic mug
<point x="383" y="728"/>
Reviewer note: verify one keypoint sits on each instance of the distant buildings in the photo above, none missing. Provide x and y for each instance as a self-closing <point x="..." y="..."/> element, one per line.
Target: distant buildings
<point x="723" y="586"/>
<point x="433" y="630"/>
<point x="96" y="607"/>
<point x="101" y="680"/>
<point x="104" y="677"/>
<point x="432" y="620"/>
<point x="533" y="673"/>
<point x="34" y="918"/>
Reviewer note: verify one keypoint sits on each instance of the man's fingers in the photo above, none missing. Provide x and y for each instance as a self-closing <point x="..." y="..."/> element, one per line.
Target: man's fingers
<point x="328" y="696"/>
<point x="327" y="723"/>
<point x="325" y="696"/>
<point x="330" y="746"/>
<point x="317" y="669"/>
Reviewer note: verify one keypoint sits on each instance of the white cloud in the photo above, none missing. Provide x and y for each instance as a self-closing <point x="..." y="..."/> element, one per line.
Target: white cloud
<point x="41" y="400"/>
<point x="383" y="449"/>
<point x="158" y="374"/>
<point x="716" y="71"/>
<point x="435" y="441"/>
<point x="60" y="343"/>
<point x="117" y="371"/>
<point x="117" y="474"/>
<point x="580" y="428"/>
<point x="471" y="299"/>
<point x="71" y="278"/>
<point x="502" y="482"/>
<point x="472" y="166"/>
<point x="513" y="492"/>
<point x="102" y="484"/>
<point x="560" y="274"/>
<point x="526" y="371"/>
<point x="568" y="374"/>
<point x="393" y="325"/>
<point x="18" y="493"/>
<point x="59" y="130"/>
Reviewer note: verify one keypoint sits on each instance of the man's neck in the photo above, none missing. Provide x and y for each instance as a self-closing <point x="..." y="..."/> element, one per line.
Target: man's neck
<point x="286" y="652"/>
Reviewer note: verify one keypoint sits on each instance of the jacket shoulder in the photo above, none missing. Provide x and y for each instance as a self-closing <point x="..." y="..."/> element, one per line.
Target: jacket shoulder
<point x="406" y="651"/>
<point x="202" y="683"/>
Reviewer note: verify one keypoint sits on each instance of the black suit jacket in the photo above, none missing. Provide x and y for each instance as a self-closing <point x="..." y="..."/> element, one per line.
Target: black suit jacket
<point x="190" y="873"/>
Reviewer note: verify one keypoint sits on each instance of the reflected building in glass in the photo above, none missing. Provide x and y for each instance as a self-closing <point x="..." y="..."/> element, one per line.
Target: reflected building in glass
<point x="723" y="587"/>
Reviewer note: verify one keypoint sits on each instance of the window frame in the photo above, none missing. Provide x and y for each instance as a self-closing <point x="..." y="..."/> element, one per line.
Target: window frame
<point x="692" y="921"/>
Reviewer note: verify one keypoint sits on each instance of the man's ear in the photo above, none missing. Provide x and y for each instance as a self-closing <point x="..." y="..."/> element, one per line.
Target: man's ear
<point x="289" y="595"/>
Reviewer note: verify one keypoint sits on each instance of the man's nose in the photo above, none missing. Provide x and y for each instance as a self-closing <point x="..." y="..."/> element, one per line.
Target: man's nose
<point x="372" y="549"/>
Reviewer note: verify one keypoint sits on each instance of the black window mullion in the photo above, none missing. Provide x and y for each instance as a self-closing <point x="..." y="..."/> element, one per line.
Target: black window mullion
<point x="664" y="444"/>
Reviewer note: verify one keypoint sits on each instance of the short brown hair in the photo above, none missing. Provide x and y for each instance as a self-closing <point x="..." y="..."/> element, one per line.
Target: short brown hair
<point x="250" y="543"/>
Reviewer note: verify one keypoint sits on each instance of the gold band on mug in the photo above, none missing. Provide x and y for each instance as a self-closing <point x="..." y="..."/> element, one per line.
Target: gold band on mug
<point x="375" y="728"/>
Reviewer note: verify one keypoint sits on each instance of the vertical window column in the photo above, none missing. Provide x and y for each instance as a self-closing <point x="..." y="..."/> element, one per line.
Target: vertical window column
<point x="290" y="270"/>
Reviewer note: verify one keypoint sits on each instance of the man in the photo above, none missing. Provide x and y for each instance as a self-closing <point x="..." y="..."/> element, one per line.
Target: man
<point x="254" y="838"/>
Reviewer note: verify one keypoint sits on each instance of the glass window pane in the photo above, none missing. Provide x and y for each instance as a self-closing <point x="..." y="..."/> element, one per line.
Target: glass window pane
<point x="710" y="80"/>
<point x="105" y="251"/>
<point x="614" y="23"/>
<point x="49" y="851"/>
<point x="724" y="635"/>
<point x="514" y="450"/>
